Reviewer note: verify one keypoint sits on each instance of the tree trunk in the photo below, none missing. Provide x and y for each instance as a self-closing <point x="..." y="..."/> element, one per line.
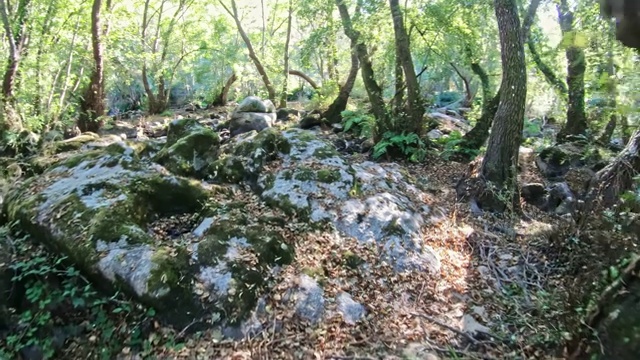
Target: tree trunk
<point x="283" y="96"/>
<point x="468" y="100"/>
<point x="618" y="176"/>
<point x="92" y="104"/>
<point x="605" y="138"/>
<point x="334" y="112"/>
<point x="546" y="70"/>
<point x="398" y="99"/>
<point x="576" y="117"/>
<point x="221" y="99"/>
<point x="415" y="106"/>
<point x="495" y="188"/>
<point x="374" y="92"/>
<point x="304" y="76"/>
<point x="252" y="54"/>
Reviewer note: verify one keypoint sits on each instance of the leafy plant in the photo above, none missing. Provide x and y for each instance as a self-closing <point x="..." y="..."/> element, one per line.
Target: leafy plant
<point x="453" y="144"/>
<point x="409" y="144"/>
<point x="361" y="123"/>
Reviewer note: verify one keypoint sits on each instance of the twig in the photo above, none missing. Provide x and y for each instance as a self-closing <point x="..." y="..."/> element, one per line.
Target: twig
<point x="184" y="330"/>
<point x="449" y="327"/>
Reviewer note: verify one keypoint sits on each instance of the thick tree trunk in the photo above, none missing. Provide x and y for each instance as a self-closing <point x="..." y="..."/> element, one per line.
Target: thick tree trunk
<point x="252" y="54"/>
<point x="305" y="77"/>
<point x="283" y="95"/>
<point x="500" y="164"/>
<point x="221" y="99"/>
<point x="618" y="176"/>
<point x="334" y="112"/>
<point x="374" y="92"/>
<point x="576" y="66"/>
<point x="92" y="104"/>
<point x="415" y="106"/>
<point x="398" y="98"/>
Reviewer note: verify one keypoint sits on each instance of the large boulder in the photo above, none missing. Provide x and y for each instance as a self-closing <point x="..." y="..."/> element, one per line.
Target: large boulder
<point x="555" y="161"/>
<point x="252" y="114"/>
<point x="189" y="149"/>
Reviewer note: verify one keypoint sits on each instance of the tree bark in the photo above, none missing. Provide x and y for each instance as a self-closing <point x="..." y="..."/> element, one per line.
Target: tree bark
<point x="415" y="106"/>
<point x="498" y="175"/>
<point x="283" y="95"/>
<point x="547" y="72"/>
<point x="576" y="117"/>
<point x="252" y="54"/>
<point x="221" y="99"/>
<point x="92" y="104"/>
<point x="468" y="100"/>
<point x="605" y="138"/>
<point x="334" y="112"/>
<point x="477" y="136"/>
<point x="304" y="76"/>
<point x="374" y="92"/>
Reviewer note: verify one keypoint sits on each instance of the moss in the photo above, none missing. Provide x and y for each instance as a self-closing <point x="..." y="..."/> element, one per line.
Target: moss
<point x="179" y="128"/>
<point x="314" y="272"/>
<point x="76" y="160"/>
<point x="306" y="136"/>
<point x="168" y="195"/>
<point x="287" y="174"/>
<point x="352" y="260"/>
<point x="328" y="175"/>
<point x="187" y="156"/>
<point x="325" y="152"/>
<point x="228" y="169"/>
<point x="172" y="264"/>
<point x="305" y="174"/>
<point x="111" y="224"/>
<point x="269" y="181"/>
<point x="74" y="143"/>
<point x="394" y="228"/>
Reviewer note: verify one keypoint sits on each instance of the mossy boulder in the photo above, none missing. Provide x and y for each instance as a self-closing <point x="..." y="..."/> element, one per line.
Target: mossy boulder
<point x="244" y="157"/>
<point x="555" y="161"/>
<point x="189" y="150"/>
<point x="74" y="143"/>
<point x="95" y="209"/>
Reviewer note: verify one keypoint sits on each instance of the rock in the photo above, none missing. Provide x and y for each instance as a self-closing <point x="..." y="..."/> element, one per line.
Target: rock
<point x="367" y="145"/>
<point x="310" y="121"/>
<point x="75" y="143"/>
<point x="448" y="124"/>
<point x="616" y="144"/>
<point x="579" y="179"/>
<point x="309" y="299"/>
<point x="534" y="194"/>
<point x="190" y="148"/>
<point x="351" y="311"/>
<point x="317" y="183"/>
<point x="435" y="134"/>
<point x="556" y="161"/>
<point x="560" y="194"/>
<point x="253" y="104"/>
<point x="285" y="114"/>
<point x="241" y="123"/>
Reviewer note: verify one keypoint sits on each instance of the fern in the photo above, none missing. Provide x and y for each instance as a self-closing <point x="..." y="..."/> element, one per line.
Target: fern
<point x="360" y="123"/>
<point x="409" y="144"/>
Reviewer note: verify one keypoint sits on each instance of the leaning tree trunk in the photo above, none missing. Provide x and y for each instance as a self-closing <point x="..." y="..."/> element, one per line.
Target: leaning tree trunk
<point x="605" y="138"/>
<point x="479" y="134"/>
<point x="495" y="186"/>
<point x="468" y="99"/>
<point x="92" y="104"/>
<point x="271" y="91"/>
<point x="334" y="113"/>
<point x="576" y="118"/>
<point x="221" y="99"/>
<point x="305" y="77"/>
<point x="374" y="91"/>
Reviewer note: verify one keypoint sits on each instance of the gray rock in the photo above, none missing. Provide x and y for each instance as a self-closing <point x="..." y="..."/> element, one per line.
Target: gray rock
<point x="309" y="299"/>
<point x="253" y="104"/>
<point x="244" y="122"/>
<point x="435" y="134"/>
<point x="351" y="310"/>
<point x="310" y="121"/>
<point x="534" y="194"/>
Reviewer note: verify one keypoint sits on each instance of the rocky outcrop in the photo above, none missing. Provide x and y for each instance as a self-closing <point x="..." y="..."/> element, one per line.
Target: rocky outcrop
<point x="102" y="208"/>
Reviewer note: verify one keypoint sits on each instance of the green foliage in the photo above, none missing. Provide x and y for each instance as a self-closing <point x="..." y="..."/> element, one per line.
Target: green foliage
<point x="52" y="292"/>
<point x="359" y="122"/>
<point x="454" y="144"/>
<point x="323" y="96"/>
<point x="409" y="144"/>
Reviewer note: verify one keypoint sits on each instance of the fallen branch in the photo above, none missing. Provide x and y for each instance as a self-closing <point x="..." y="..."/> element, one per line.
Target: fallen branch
<point x="449" y="327"/>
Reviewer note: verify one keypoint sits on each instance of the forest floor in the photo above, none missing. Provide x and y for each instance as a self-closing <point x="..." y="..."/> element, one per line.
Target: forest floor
<point x="509" y="288"/>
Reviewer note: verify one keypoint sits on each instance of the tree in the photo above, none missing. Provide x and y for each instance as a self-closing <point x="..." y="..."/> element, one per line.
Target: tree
<point x="16" y="30"/>
<point x="374" y="91"/>
<point x="415" y="108"/>
<point x="495" y="187"/>
<point x="576" y="118"/>
<point x="283" y="95"/>
<point x="233" y="11"/>
<point x="92" y="104"/>
<point x="333" y="113"/>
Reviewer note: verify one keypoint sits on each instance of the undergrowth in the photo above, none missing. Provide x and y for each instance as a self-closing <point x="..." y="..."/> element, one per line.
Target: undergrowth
<point x="50" y="303"/>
